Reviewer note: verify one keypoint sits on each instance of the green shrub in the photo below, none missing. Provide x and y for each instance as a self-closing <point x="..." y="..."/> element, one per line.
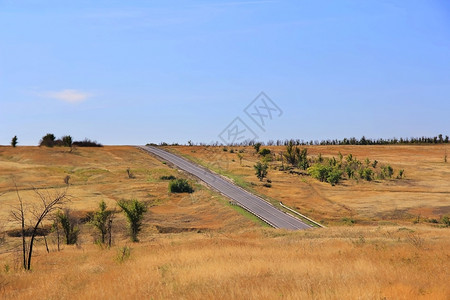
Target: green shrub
<point x="267" y="185"/>
<point x="180" y="186"/>
<point x="334" y="176"/>
<point x="134" y="211"/>
<point x="165" y="177"/>
<point x="348" y="221"/>
<point x="261" y="170"/>
<point x="264" y="152"/>
<point x="366" y="174"/>
<point x="387" y="171"/>
<point x="257" y="146"/>
<point x="102" y="220"/>
<point x="446" y="221"/>
<point x="69" y="226"/>
<point x="319" y="171"/>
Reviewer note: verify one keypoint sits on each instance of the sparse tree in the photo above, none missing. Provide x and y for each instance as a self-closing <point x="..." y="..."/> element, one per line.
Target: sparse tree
<point x="257" y="146"/>
<point x="101" y="220"/>
<point x="290" y="154"/>
<point x="320" y="158"/>
<point x="240" y="156"/>
<point x="67" y="141"/>
<point x="387" y="171"/>
<point x="49" y="203"/>
<point x="48" y="140"/>
<point x="366" y="174"/>
<point x="14" y="141"/>
<point x="261" y="170"/>
<point x="134" y="211"/>
<point x="374" y="164"/>
<point x="69" y="226"/>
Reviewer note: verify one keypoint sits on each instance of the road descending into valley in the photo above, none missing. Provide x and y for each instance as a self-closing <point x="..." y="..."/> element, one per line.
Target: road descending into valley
<point x="252" y="203"/>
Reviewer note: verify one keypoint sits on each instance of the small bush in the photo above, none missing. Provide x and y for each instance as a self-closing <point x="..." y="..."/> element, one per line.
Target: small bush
<point x="264" y="152"/>
<point x="319" y="171"/>
<point x="366" y="174"/>
<point x="446" y="221"/>
<point x="267" y="185"/>
<point x="165" y="177"/>
<point x="123" y="254"/>
<point x="256" y="147"/>
<point x="224" y="149"/>
<point x="69" y="225"/>
<point x="348" y="221"/>
<point x="334" y="176"/>
<point x="130" y="174"/>
<point x="180" y="186"/>
<point x="261" y="170"/>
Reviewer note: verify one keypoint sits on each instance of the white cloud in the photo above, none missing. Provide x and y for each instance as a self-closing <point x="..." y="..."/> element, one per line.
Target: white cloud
<point x="70" y="96"/>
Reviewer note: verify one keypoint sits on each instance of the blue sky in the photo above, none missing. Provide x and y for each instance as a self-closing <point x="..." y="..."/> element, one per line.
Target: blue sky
<point x="132" y="72"/>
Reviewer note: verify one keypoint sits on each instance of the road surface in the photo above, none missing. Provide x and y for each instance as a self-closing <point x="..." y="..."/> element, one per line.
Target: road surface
<point x="247" y="200"/>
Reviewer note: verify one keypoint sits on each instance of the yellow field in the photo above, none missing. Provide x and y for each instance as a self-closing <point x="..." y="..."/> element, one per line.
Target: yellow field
<point x="339" y="263"/>
<point x="423" y="194"/>
<point x="228" y="255"/>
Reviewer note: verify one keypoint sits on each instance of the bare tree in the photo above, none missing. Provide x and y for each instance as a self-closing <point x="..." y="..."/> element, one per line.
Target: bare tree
<point x="49" y="203"/>
<point x="18" y="214"/>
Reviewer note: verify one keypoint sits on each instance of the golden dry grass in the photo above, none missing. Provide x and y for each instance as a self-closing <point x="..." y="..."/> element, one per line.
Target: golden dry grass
<point x="424" y="192"/>
<point x="230" y="257"/>
<point x="100" y="174"/>
<point x="338" y="263"/>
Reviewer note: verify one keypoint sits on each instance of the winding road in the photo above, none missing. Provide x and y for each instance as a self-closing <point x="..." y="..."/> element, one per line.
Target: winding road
<point x="252" y="203"/>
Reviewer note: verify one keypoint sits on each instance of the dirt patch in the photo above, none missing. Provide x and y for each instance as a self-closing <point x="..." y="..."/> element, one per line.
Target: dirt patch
<point x="39" y="232"/>
<point x="164" y="229"/>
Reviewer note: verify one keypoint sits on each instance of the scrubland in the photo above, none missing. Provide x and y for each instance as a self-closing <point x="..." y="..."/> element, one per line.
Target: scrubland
<point x="423" y="194"/>
<point x="198" y="246"/>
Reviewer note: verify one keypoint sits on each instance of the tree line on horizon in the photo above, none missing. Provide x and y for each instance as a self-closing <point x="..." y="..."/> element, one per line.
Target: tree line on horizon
<point x="439" y="139"/>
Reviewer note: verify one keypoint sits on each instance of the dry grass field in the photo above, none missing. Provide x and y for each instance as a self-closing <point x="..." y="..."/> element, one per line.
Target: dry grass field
<point x="197" y="246"/>
<point x="422" y="195"/>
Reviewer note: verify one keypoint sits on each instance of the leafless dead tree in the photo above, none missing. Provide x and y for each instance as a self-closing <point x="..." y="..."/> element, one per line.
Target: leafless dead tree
<point x="49" y="202"/>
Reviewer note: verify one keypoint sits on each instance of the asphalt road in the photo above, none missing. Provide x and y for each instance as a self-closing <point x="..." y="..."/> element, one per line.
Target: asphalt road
<point x="247" y="200"/>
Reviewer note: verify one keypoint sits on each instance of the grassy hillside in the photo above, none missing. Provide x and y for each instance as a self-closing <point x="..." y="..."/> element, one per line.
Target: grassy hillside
<point x="197" y="246"/>
<point x="423" y="194"/>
